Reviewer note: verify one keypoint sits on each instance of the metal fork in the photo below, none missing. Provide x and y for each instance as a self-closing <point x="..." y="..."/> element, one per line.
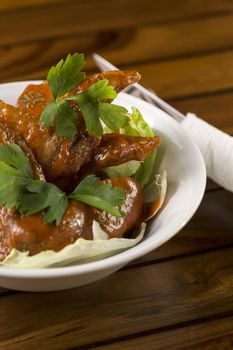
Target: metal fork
<point x="139" y="91"/>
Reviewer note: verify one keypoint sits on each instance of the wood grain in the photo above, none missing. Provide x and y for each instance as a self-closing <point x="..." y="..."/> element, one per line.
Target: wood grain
<point x="216" y="109"/>
<point x="121" y="47"/>
<point x="180" y="295"/>
<point x="16" y="4"/>
<point x="209" y="229"/>
<point x="179" y="77"/>
<point x="189" y="76"/>
<point x="165" y="41"/>
<point x="210" y="335"/>
<point x="67" y="17"/>
<point x="126" y="303"/>
<point x="32" y="61"/>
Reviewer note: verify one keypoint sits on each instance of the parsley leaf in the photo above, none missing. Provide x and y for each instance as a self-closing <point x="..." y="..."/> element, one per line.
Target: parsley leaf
<point x="13" y="155"/>
<point x="101" y="91"/>
<point x="48" y="115"/>
<point x="66" y="120"/>
<point x="66" y="75"/>
<point x="61" y="79"/>
<point x="113" y="116"/>
<point x="12" y="185"/>
<point x="44" y="195"/>
<point x="20" y="189"/>
<point x="92" y="102"/>
<point x="89" y="109"/>
<point x="15" y="172"/>
<point x="63" y="116"/>
<point x="102" y="196"/>
<point x="93" y="107"/>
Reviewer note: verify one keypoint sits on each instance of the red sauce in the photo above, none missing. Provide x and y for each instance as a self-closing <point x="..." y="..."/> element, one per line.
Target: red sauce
<point x="62" y="159"/>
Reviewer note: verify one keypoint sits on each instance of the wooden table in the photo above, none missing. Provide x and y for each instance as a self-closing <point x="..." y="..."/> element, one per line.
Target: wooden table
<point x="181" y="295"/>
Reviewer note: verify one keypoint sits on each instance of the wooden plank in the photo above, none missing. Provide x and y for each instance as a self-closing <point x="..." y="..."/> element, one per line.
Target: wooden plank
<point x="216" y="109"/>
<point x="215" y="334"/>
<point x="205" y="232"/>
<point x="210" y="228"/>
<point x="179" y="77"/>
<point x="211" y="185"/>
<point x="80" y="16"/>
<point x="188" y="76"/>
<point x="162" y="41"/>
<point x="126" y="303"/>
<point x="192" y="239"/>
<point x="16" y="4"/>
<point x="120" y="47"/>
<point x="5" y="292"/>
<point x="32" y="61"/>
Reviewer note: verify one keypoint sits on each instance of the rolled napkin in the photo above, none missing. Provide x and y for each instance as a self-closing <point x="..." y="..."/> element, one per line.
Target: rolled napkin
<point x="216" y="148"/>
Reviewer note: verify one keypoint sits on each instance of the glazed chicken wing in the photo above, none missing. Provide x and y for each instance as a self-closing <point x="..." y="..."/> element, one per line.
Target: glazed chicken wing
<point x="60" y="157"/>
<point x="30" y="233"/>
<point x="65" y="163"/>
<point x="34" y="98"/>
<point x="57" y="156"/>
<point x="115" y="149"/>
<point x="116" y="78"/>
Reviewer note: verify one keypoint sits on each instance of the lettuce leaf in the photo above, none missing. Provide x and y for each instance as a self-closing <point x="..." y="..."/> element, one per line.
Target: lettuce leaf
<point x="126" y="169"/>
<point x="141" y="171"/>
<point x="81" y="251"/>
<point x="154" y="194"/>
<point x="144" y="172"/>
<point x="138" y="127"/>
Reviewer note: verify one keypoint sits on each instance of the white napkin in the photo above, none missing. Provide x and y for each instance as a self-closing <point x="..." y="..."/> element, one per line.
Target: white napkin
<point x="216" y="148"/>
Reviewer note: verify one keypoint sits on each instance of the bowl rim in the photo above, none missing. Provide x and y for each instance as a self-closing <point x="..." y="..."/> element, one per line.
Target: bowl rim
<point x="124" y="257"/>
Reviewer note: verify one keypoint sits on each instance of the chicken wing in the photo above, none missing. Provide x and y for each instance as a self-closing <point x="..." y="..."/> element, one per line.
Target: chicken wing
<point x="30" y="233"/>
<point x="116" y="78"/>
<point x="34" y="98"/>
<point x="57" y="156"/>
<point x="115" y="149"/>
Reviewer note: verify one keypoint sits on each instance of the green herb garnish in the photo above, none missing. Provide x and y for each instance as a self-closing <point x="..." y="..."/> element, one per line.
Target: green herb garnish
<point x="20" y="189"/>
<point x="61" y="79"/>
<point x="94" y="108"/>
<point x="92" y="102"/>
<point x="40" y="195"/>
<point x="66" y="75"/>
<point x="101" y="196"/>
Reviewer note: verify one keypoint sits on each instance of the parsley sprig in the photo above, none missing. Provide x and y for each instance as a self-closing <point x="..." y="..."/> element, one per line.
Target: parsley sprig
<point x="94" y="108"/>
<point x="20" y="189"/>
<point x="102" y="196"/>
<point x="61" y="79"/>
<point x="66" y="75"/>
<point x="92" y="102"/>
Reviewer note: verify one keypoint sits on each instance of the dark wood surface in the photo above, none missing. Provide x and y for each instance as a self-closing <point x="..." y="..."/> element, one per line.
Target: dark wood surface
<point x="180" y="296"/>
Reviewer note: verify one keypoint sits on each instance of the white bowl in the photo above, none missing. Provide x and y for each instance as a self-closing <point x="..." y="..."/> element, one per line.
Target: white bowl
<point x="182" y="160"/>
